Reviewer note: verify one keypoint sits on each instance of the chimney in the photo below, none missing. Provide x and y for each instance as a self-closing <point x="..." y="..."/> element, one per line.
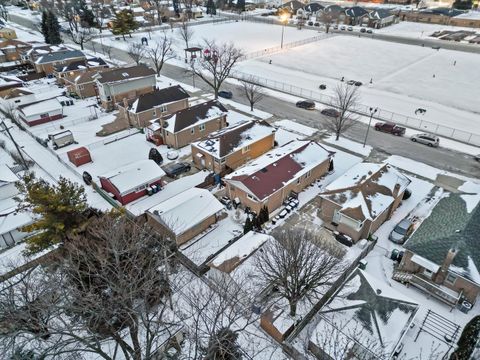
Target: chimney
<point x="442" y="273"/>
<point x="396" y="189"/>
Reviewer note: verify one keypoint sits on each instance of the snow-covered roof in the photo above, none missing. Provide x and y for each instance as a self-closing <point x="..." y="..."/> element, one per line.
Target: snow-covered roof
<point x="425" y="263"/>
<point x="277" y="168"/>
<point x="233" y="138"/>
<point x="194" y="115"/>
<point x="42" y="107"/>
<point x="10" y="219"/>
<point x="59" y="56"/>
<point x="365" y="317"/>
<point x="6" y="175"/>
<point x="236" y="253"/>
<point x="134" y="175"/>
<point x="187" y="209"/>
<point x="39" y="95"/>
<point x="366" y="190"/>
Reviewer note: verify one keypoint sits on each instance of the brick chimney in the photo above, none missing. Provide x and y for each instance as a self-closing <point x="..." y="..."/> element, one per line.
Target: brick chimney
<point x="395" y="191"/>
<point x="443" y="271"/>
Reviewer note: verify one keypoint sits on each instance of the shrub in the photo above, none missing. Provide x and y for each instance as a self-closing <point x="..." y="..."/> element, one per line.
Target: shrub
<point x="466" y="343"/>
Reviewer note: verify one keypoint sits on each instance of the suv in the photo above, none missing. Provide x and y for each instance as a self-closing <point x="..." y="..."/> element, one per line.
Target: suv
<point x="330" y="112"/>
<point x="401" y="232"/>
<point x="306" y="104"/>
<point x="390" y="128"/>
<point x="173" y="170"/>
<point x="225" y="94"/>
<point x="427" y="139"/>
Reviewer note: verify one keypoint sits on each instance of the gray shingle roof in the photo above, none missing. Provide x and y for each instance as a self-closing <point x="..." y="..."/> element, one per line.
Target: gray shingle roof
<point x="59" y="56"/>
<point x="159" y="97"/>
<point x="449" y="226"/>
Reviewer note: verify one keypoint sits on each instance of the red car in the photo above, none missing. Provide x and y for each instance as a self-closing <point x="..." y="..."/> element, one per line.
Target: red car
<point x="390" y="128"/>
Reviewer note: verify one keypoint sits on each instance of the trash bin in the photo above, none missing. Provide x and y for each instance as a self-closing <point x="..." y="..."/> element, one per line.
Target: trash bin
<point x="362" y="265"/>
<point x="394" y="255"/>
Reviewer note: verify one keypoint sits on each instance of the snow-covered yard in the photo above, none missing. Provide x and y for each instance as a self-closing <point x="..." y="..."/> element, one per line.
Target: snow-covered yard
<point x="418" y="30"/>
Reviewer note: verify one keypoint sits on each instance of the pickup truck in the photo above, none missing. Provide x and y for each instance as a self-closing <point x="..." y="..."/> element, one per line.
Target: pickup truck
<point x="390" y="128"/>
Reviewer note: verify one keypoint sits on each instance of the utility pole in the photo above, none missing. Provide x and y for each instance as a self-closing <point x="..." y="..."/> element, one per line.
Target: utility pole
<point x="15" y="143"/>
<point x="372" y="112"/>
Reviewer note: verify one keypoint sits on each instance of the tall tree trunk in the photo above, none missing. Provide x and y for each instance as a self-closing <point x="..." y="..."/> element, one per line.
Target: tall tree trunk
<point x="337" y="135"/>
<point x="251" y="106"/>
<point x="135" y="342"/>
<point x="293" y="307"/>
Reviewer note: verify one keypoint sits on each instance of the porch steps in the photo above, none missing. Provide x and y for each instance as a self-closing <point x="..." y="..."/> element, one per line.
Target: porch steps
<point x="402" y="277"/>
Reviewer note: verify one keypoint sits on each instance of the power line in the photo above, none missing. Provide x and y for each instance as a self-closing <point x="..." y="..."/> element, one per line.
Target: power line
<point x="15" y="143"/>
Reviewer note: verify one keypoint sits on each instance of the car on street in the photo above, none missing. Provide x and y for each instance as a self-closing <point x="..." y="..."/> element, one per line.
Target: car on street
<point x="225" y="94"/>
<point x="330" y="112"/>
<point x="335" y="27"/>
<point x="358" y="83"/>
<point x="369" y="31"/>
<point x="350" y="28"/>
<point x="362" y="30"/>
<point x="175" y="169"/>
<point x="310" y="23"/>
<point x="351" y="82"/>
<point x="390" y="128"/>
<point x="343" y="28"/>
<point x="477" y="157"/>
<point x="401" y="231"/>
<point x="306" y="104"/>
<point x="317" y="24"/>
<point x="426" y="139"/>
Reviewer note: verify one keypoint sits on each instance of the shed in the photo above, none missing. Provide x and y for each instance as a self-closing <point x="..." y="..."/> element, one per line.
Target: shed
<point x="79" y="156"/>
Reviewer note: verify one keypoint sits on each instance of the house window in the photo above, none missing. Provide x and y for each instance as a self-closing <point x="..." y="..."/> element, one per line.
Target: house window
<point x="154" y="113"/>
<point x="450" y="279"/>
<point x="427" y="273"/>
<point x="109" y="98"/>
<point x="163" y="108"/>
<point x="140" y="188"/>
<point x="246" y="149"/>
<point x="44" y="116"/>
<point x="298" y="181"/>
<point x="309" y="173"/>
<point x="201" y="127"/>
<point x="250" y="197"/>
<point x="192" y="130"/>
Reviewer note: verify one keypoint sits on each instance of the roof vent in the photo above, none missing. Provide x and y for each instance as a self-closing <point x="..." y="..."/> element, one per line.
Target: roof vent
<point x="379" y="291"/>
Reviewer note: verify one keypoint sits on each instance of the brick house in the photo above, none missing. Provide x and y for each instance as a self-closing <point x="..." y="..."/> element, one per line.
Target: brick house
<point x="362" y="199"/>
<point x="153" y="105"/>
<point x="442" y="255"/>
<point x="233" y="146"/>
<point x="38" y="50"/>
<point x="72" y="70"/>
<point x="8" y="83"/>
<point x="121" y="85"/>
<point x="132" y="181"/>
<point x="46" y="64"/>
<point x="83" y="85"/>
<point x="188" y="125"/>
<point x="271" y="178"/>
<point x="13" y="49"/>
<point x="186" y="214"/>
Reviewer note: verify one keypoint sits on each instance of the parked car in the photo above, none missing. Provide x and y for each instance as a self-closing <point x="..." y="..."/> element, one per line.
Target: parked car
<point x="330" y="112"/>
<point x="317" y="24"/>
<point x="173" y="170"/>
<point x="351" y="82"/>
<point x="225" y="94"/>
<point x="358" y="83"/>
<point x="369" y="31"/>
<point x="477" y="157"/>
<point x="306" y="104"/>
<point x="402" y="231"/>
<point x="350" y="28"/>
<point x="362" y="30"/>
<point x="427" y="139"/>
<point x="390" y="128"/>
<point x="335" y="27"/>
<point x="322" y="87"/>
<point x="343" y="28"/>
<point x="226" y="201"/>
<point x="310" y="23"/>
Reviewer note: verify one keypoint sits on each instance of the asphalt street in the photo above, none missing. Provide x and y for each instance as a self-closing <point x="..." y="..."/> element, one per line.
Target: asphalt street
<point x="384" y="144"/>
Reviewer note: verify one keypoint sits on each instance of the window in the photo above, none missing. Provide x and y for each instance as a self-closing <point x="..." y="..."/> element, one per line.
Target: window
<point x="309" y="173"/>
<point x="450" y="279"/>
<point x="109" y="98"/>
<point x="44" y="116"/>
<point x="246" y="149"/>
<point x="250" y="197"/>
<point x="192" y="130"/>
<point x="298" y="181"/>
<point x="201" y="127"/>
<point x="154" y="113"/>
<point x="163" y="108"/>
<point x="427" y="273"/>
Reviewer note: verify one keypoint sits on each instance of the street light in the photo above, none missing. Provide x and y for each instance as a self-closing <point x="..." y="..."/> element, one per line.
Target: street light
<point x="372" y="112"/>
<point x="283" y="20"/>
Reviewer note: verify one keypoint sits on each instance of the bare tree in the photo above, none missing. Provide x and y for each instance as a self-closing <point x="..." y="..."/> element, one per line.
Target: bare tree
<point x="253" y="92"/>
<point x="159" y="8"/>
<point x="82" y="35"/>
<point x="215" y="66"/>
<point x="136" y="52"/>
<point x="107" y="50"/>
<point x="161" y="52"/>
<point x="345" y="100"/>
<point x="107" y="294"/>
<point x="101" y="12"/>
<point x="186" y="33"/>
<point x="297" y="267"/>
<point x="326" y="19"/>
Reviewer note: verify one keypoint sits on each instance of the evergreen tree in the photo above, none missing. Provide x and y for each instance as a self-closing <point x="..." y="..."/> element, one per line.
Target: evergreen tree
<point x="263" y="215"/>
<point x="124" y="23"/>
<point x="223" y="345"/>
<point x="44" y="26"/>
<point x="248" y="225"/>
<point x="241" y="5"/>
<point x="53" y="29"/>
<point x="211" y="8"/>
<point x="58" y="209"/>
<point x="87" y="18"/>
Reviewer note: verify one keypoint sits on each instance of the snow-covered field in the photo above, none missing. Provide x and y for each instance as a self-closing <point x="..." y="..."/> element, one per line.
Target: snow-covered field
<point x="418" y="30"/>
<point x="404" y="77"/>
<point x="248" y="36"/>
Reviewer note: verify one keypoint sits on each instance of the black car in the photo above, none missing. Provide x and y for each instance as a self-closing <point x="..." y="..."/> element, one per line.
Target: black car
<point x="330" y="112"/>
<point x="369" y="31"/>
<point x="225" y="94"/>
<point x="362" y="30"/>
<point x="306" y="104"/>
<point x="358" y="83"/>
<point x="173" y="170"/>
<point x="310" y="23"/>
<point x="317" y="24"/>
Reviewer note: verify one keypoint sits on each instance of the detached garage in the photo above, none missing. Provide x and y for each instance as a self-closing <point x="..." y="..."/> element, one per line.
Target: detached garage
<point x="41" y="112"/>
<point x="79" y="156"/>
